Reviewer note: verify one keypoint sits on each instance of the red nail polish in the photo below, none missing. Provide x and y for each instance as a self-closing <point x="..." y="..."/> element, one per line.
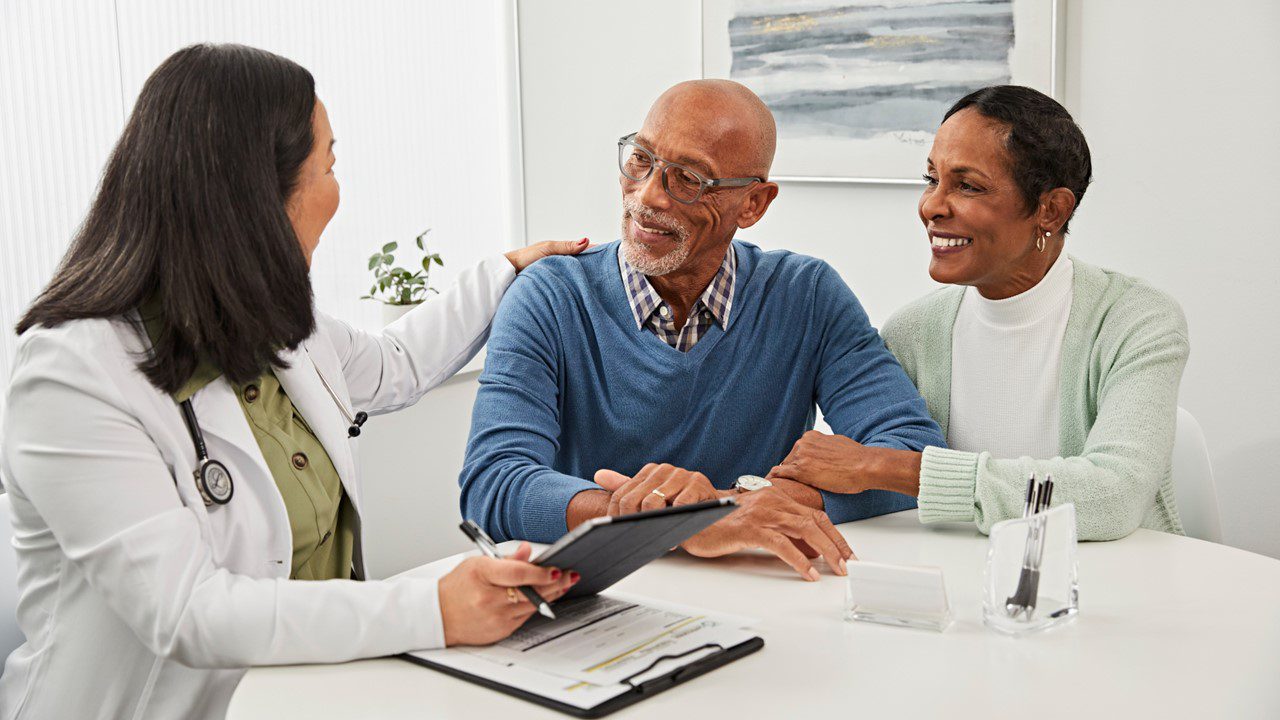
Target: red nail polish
<point x="583" y="241"/>
<point x="555" y="574"/>
<point x="574" y="576"/>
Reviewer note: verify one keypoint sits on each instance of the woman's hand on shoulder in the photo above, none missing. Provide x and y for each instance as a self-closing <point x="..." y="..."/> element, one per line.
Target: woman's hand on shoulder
<point x="478" y="600"/>
<point x="526" y="256"/>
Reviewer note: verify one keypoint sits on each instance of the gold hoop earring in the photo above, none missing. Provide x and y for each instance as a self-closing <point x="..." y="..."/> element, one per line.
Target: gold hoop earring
<point x="1040" y="241"/>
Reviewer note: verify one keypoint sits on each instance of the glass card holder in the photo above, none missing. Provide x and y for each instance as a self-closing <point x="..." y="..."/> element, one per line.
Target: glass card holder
<point x="897" y="595"/>
<point x="1030" y="579"/>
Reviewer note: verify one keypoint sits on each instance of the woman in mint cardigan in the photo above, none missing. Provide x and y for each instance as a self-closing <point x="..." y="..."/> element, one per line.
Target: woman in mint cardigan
<point x="1033" y="361"/>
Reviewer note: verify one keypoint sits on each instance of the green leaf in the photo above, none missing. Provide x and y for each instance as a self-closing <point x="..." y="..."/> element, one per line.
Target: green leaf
<point x="373" y="261"/>
<point x="388" y="259"/>
<point x="419" y="241"/>
<point x="426" y="264"/>
<point x="388" y="247"/>
<point x="439" y="261"/>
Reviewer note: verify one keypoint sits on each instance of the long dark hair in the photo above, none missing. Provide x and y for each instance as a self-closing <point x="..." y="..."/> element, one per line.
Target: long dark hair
<point x="1046" y="145"/>
<point x="190" y="213"/>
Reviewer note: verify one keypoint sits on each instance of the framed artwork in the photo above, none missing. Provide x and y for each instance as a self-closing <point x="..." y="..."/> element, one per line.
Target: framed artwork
<point x="858" y="87"/>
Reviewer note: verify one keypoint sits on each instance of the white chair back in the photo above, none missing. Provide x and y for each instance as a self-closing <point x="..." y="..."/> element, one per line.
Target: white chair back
<point x="1193" y="484"/>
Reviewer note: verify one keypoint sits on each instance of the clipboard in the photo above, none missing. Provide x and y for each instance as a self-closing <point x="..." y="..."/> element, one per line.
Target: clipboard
<point x="638" y="692"/>
<point x="606" y="550"/>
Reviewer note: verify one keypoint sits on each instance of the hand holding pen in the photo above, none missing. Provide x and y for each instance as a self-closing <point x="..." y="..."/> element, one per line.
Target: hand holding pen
<point x="480" y="600"/>
<point x="487" y="546"/>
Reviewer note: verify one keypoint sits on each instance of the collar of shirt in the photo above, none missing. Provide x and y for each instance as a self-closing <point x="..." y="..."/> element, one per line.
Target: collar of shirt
<point x="645" y="301"/>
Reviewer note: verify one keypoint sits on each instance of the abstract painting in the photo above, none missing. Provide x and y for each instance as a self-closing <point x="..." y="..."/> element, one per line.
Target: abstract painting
<point x="858" y="87"/>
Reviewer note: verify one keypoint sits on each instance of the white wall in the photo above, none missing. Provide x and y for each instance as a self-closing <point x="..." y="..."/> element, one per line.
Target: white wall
<point x="1179" y="106"/>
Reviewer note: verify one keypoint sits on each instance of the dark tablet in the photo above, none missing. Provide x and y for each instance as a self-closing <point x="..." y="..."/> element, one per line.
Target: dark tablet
<point x="606" y="549"/>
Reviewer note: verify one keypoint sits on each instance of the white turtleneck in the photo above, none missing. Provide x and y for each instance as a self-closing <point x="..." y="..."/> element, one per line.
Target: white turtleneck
<point x="1005" y="359"/>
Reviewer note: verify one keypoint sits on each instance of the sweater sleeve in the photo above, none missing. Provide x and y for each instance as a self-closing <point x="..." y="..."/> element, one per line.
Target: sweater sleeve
<point x="864" y="394"/>
<point x="508" y="484"/>
<point x="1114" y="481"/>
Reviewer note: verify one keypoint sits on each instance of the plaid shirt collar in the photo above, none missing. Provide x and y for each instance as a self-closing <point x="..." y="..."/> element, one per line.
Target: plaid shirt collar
<point x="648" y="307"/>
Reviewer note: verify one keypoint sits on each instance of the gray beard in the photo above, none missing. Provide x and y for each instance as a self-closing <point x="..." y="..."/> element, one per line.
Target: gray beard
<point x="639" y="257"/>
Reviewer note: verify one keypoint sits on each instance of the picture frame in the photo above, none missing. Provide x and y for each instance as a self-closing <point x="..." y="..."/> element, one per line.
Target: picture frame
<point x="858" y="86"/>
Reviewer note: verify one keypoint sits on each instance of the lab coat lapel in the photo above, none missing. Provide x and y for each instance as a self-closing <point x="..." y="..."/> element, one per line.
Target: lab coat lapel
<point x="301" y="380"/>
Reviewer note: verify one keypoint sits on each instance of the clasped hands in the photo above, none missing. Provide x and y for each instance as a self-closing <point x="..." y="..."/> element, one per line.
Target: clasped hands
<point x="767" y="519"/>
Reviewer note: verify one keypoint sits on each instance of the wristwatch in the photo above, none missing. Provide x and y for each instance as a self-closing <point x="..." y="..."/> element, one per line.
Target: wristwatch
<point x="751" y="483"/>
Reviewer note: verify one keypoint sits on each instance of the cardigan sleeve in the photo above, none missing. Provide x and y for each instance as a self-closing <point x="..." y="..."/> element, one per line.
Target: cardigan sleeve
<point x="1113" y="482"/>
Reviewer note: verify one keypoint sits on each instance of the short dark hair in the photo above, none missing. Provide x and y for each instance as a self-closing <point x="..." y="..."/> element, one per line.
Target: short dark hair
<point x="1046" y="145"/>
<point x="190" y="213"/>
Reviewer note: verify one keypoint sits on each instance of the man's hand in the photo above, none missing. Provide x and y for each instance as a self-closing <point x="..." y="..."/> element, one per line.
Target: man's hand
<point x="653" y="487"/>
<point x="771" y="520"/>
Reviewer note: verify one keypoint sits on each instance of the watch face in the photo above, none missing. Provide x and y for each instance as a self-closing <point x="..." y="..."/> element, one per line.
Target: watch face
<point x="752" y="482"/>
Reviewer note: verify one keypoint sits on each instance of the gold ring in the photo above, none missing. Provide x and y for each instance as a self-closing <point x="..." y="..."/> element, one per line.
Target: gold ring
<point x="659" y="494"/>
<point x="511" y="596"/>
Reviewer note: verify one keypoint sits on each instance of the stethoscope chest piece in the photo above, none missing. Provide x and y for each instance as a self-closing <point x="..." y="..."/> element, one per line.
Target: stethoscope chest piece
<point x="213" y="480"/>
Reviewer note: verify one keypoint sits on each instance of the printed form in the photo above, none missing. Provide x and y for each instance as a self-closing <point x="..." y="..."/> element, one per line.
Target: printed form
<point x="598" y="647"/>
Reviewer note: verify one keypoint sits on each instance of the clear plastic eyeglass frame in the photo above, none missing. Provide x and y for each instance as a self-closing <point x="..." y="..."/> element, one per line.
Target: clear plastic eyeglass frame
<point x="687" y="180"/>
<point x="1030" y="582"/>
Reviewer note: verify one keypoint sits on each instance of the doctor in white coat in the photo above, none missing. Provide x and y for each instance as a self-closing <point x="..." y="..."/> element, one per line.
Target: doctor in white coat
<point x="142" y="594"/>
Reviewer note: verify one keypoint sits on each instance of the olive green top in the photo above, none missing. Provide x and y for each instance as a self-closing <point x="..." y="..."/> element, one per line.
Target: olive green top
<point x="321" y="517"/>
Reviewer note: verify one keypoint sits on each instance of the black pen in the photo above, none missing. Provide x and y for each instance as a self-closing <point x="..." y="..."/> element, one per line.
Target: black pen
<point x="485" y="543"/>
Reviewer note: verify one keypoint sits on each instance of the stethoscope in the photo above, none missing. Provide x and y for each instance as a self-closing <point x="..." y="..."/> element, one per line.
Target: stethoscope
<point x="213" y="480"/>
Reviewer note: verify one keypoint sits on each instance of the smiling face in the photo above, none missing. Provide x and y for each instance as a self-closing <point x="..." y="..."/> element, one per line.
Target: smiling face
<point x="315" y="199"/>
<point x="978" y="224"/>
<point x="718" y="129"/>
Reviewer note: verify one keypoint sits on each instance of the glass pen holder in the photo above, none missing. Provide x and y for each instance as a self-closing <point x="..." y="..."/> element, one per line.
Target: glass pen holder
<point x="1030" y="579"/>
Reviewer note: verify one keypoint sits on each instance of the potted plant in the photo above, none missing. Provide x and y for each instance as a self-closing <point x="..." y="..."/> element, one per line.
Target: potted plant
<point x="395" y="287"/>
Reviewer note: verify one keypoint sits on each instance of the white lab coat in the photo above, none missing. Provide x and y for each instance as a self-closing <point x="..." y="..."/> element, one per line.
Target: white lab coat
<point x="137" y="601"/>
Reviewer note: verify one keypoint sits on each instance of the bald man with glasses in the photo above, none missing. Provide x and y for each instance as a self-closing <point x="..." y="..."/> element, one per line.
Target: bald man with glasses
<point x="679" y="364"/>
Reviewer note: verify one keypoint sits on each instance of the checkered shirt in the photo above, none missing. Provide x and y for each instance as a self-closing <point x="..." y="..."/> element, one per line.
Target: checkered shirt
<point x="652" y="313"/>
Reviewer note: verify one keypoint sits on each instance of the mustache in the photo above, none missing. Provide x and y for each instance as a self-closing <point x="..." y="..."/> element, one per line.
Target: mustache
<point x="634" y="209"/>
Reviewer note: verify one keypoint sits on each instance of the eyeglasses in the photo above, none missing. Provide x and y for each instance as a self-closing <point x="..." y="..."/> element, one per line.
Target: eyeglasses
<point x="683" y="185"/>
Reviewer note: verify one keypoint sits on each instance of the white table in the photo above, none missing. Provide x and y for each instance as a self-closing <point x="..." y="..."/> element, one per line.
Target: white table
<point x="1168" y="627"/>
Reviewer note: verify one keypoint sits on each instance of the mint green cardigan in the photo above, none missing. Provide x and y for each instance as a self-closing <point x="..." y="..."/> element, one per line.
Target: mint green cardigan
<point x="1122" y="358"/>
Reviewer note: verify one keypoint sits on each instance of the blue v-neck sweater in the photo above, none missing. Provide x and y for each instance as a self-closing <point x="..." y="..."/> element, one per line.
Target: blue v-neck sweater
<point x="571" y="385"/>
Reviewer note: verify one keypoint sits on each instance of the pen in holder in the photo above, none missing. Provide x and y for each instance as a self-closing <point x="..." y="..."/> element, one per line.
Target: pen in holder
<point x="1030" y="581"/>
